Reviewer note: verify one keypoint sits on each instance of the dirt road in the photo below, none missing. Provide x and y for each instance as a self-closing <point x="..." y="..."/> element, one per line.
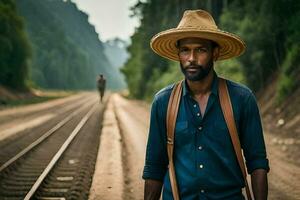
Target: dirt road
<point x="284" y="176"/>
<point x="132" y="120"/>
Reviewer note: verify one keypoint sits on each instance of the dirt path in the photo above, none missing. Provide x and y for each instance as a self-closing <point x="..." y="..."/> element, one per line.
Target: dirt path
<point x="284" y="176"/>
<point x="108" y="177"/>
<point x="133" y="121"/>
<point x="124" y="133"/>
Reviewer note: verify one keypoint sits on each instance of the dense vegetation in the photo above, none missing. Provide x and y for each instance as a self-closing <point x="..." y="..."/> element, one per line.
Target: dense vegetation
<point x="270" y="29"/>
<point x="67" y="53"/>
<point x="14" y="48"/>
<point x="62" y="50"/>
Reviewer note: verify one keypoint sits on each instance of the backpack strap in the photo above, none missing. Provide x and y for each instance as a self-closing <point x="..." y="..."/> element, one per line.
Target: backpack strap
<point x="229" y="118"/>
<point x="172" y="111"/>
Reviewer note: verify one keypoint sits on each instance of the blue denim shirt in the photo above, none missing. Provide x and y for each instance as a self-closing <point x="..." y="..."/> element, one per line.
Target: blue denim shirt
<point x="205" y="162"/>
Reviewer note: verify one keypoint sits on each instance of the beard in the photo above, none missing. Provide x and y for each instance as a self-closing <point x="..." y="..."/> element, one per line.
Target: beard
<point x="199" y="72"/>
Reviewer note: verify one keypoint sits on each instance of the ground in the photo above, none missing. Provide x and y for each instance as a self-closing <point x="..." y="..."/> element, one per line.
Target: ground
<point x="123" y="143"/>
<point x="133" y="121"/>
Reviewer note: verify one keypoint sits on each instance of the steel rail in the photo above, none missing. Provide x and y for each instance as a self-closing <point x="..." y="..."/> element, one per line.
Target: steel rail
<point x="42" y="138"/>
<point x="59" y="153"/>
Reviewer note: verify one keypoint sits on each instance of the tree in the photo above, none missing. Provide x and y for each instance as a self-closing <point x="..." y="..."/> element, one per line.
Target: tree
<point x="270" y="29"/>
<point x="15" y="50"/>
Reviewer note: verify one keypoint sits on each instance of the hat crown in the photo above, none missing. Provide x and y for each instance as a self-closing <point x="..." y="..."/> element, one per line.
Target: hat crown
<point x="197" y="19"/>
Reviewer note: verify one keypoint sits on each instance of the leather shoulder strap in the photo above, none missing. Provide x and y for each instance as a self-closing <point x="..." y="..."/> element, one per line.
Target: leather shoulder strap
<point x="172" y="111"/>
<point x="229" y="118"/>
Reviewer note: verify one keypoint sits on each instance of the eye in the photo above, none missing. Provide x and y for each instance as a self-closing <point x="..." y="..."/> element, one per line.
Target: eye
<point x="201" y="49"/>
<point x="183" y="49"/>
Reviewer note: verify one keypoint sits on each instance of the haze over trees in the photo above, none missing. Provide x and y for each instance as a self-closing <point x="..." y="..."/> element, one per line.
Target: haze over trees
<point x="50" y="44"/>
<point x="115" y="51"/>
<point x="270" y="29"/>
<point x="67" y="53"/>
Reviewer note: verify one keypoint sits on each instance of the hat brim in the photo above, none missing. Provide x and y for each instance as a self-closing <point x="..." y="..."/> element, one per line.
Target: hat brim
<point x="164" y="43"/>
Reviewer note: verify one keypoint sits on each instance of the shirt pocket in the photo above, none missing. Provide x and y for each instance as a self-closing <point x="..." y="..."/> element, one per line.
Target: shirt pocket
<point x="181" y="127"/>
<point x="181" y="132"/>
<point x="220" y="135"/>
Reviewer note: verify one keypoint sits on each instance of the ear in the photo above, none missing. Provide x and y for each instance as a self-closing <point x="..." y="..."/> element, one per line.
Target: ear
<point x="216" y="54"/>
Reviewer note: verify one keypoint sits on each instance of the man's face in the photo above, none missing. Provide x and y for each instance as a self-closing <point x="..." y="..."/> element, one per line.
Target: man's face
<point x="196" y="58"/>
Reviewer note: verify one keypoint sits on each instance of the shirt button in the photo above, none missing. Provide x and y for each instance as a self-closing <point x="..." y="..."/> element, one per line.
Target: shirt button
<point x="195" y="105"/>
<point x="202" y="191"/>
<point x="200" y="128"/>
<point x="201" y="166"/>
<point x="198" y="114"/>
<point x="200" y="147"/>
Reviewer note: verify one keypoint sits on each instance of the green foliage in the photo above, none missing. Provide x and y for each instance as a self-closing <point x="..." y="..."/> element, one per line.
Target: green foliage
<point x="145" y="70"/>
<point x="67" y="52"/>
<point x="251" y="22"/>
<point x="270" y="29"/>
<point x="231" y="69"/>
<point x="134" y="65"/>
<point x="159" y="80"/>
<point x="14" y="47"/>
<point x="288" y="80"/>
<point x="290" y="72"/>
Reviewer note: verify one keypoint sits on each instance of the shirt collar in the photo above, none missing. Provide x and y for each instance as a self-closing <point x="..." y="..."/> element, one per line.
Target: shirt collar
<point x="214" y="86"/>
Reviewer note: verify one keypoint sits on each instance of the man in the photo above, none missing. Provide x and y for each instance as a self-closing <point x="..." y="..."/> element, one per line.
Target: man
<point x="205" y="163"/>
<point x="101" y="82"/>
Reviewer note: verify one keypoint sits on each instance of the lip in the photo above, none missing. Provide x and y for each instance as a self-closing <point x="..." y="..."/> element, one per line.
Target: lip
<point x="192" y="69"/>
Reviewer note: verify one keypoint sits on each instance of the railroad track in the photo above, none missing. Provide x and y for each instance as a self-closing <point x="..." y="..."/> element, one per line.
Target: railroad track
<point x="19" y="141"/>
<point x="60" y="163"/>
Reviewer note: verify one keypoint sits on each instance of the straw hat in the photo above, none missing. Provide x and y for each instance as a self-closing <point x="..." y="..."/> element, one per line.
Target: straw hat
<point x="199" y="24"/>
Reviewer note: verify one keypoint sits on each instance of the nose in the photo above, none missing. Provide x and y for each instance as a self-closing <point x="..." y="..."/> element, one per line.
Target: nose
<point x="191" y="56"/>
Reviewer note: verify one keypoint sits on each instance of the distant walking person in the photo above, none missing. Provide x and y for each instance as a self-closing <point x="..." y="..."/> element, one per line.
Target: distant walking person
<point x="101" y="82"/>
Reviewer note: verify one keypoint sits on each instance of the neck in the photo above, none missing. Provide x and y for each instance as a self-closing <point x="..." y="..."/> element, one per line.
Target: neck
<point x="203" y="86"/>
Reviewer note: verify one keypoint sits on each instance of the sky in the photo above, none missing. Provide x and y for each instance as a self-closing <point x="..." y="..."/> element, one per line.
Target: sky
<point x="110" y="17"/>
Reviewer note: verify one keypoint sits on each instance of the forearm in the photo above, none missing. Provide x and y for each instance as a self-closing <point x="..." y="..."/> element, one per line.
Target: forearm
<point x="259" y="183"/>
<point x="152" y="189"/>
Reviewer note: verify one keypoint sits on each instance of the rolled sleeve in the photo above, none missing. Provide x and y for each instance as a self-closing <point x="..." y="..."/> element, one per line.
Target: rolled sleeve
<point x="156" y="161"/>
<point x="252" y="140"/>
<point x="258" y="164"/>
<point x="154" y="171"/>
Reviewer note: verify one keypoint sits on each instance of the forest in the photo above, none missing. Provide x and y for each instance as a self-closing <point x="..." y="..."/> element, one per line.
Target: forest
<point x="270" y="29"/>
<point x="15" y="48"/>
<point x="50" y="44"/>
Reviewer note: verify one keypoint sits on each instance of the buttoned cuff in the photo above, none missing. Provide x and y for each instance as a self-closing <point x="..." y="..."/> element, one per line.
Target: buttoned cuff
<point x="155" y="172"/>
<point x="258" y="164"/>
